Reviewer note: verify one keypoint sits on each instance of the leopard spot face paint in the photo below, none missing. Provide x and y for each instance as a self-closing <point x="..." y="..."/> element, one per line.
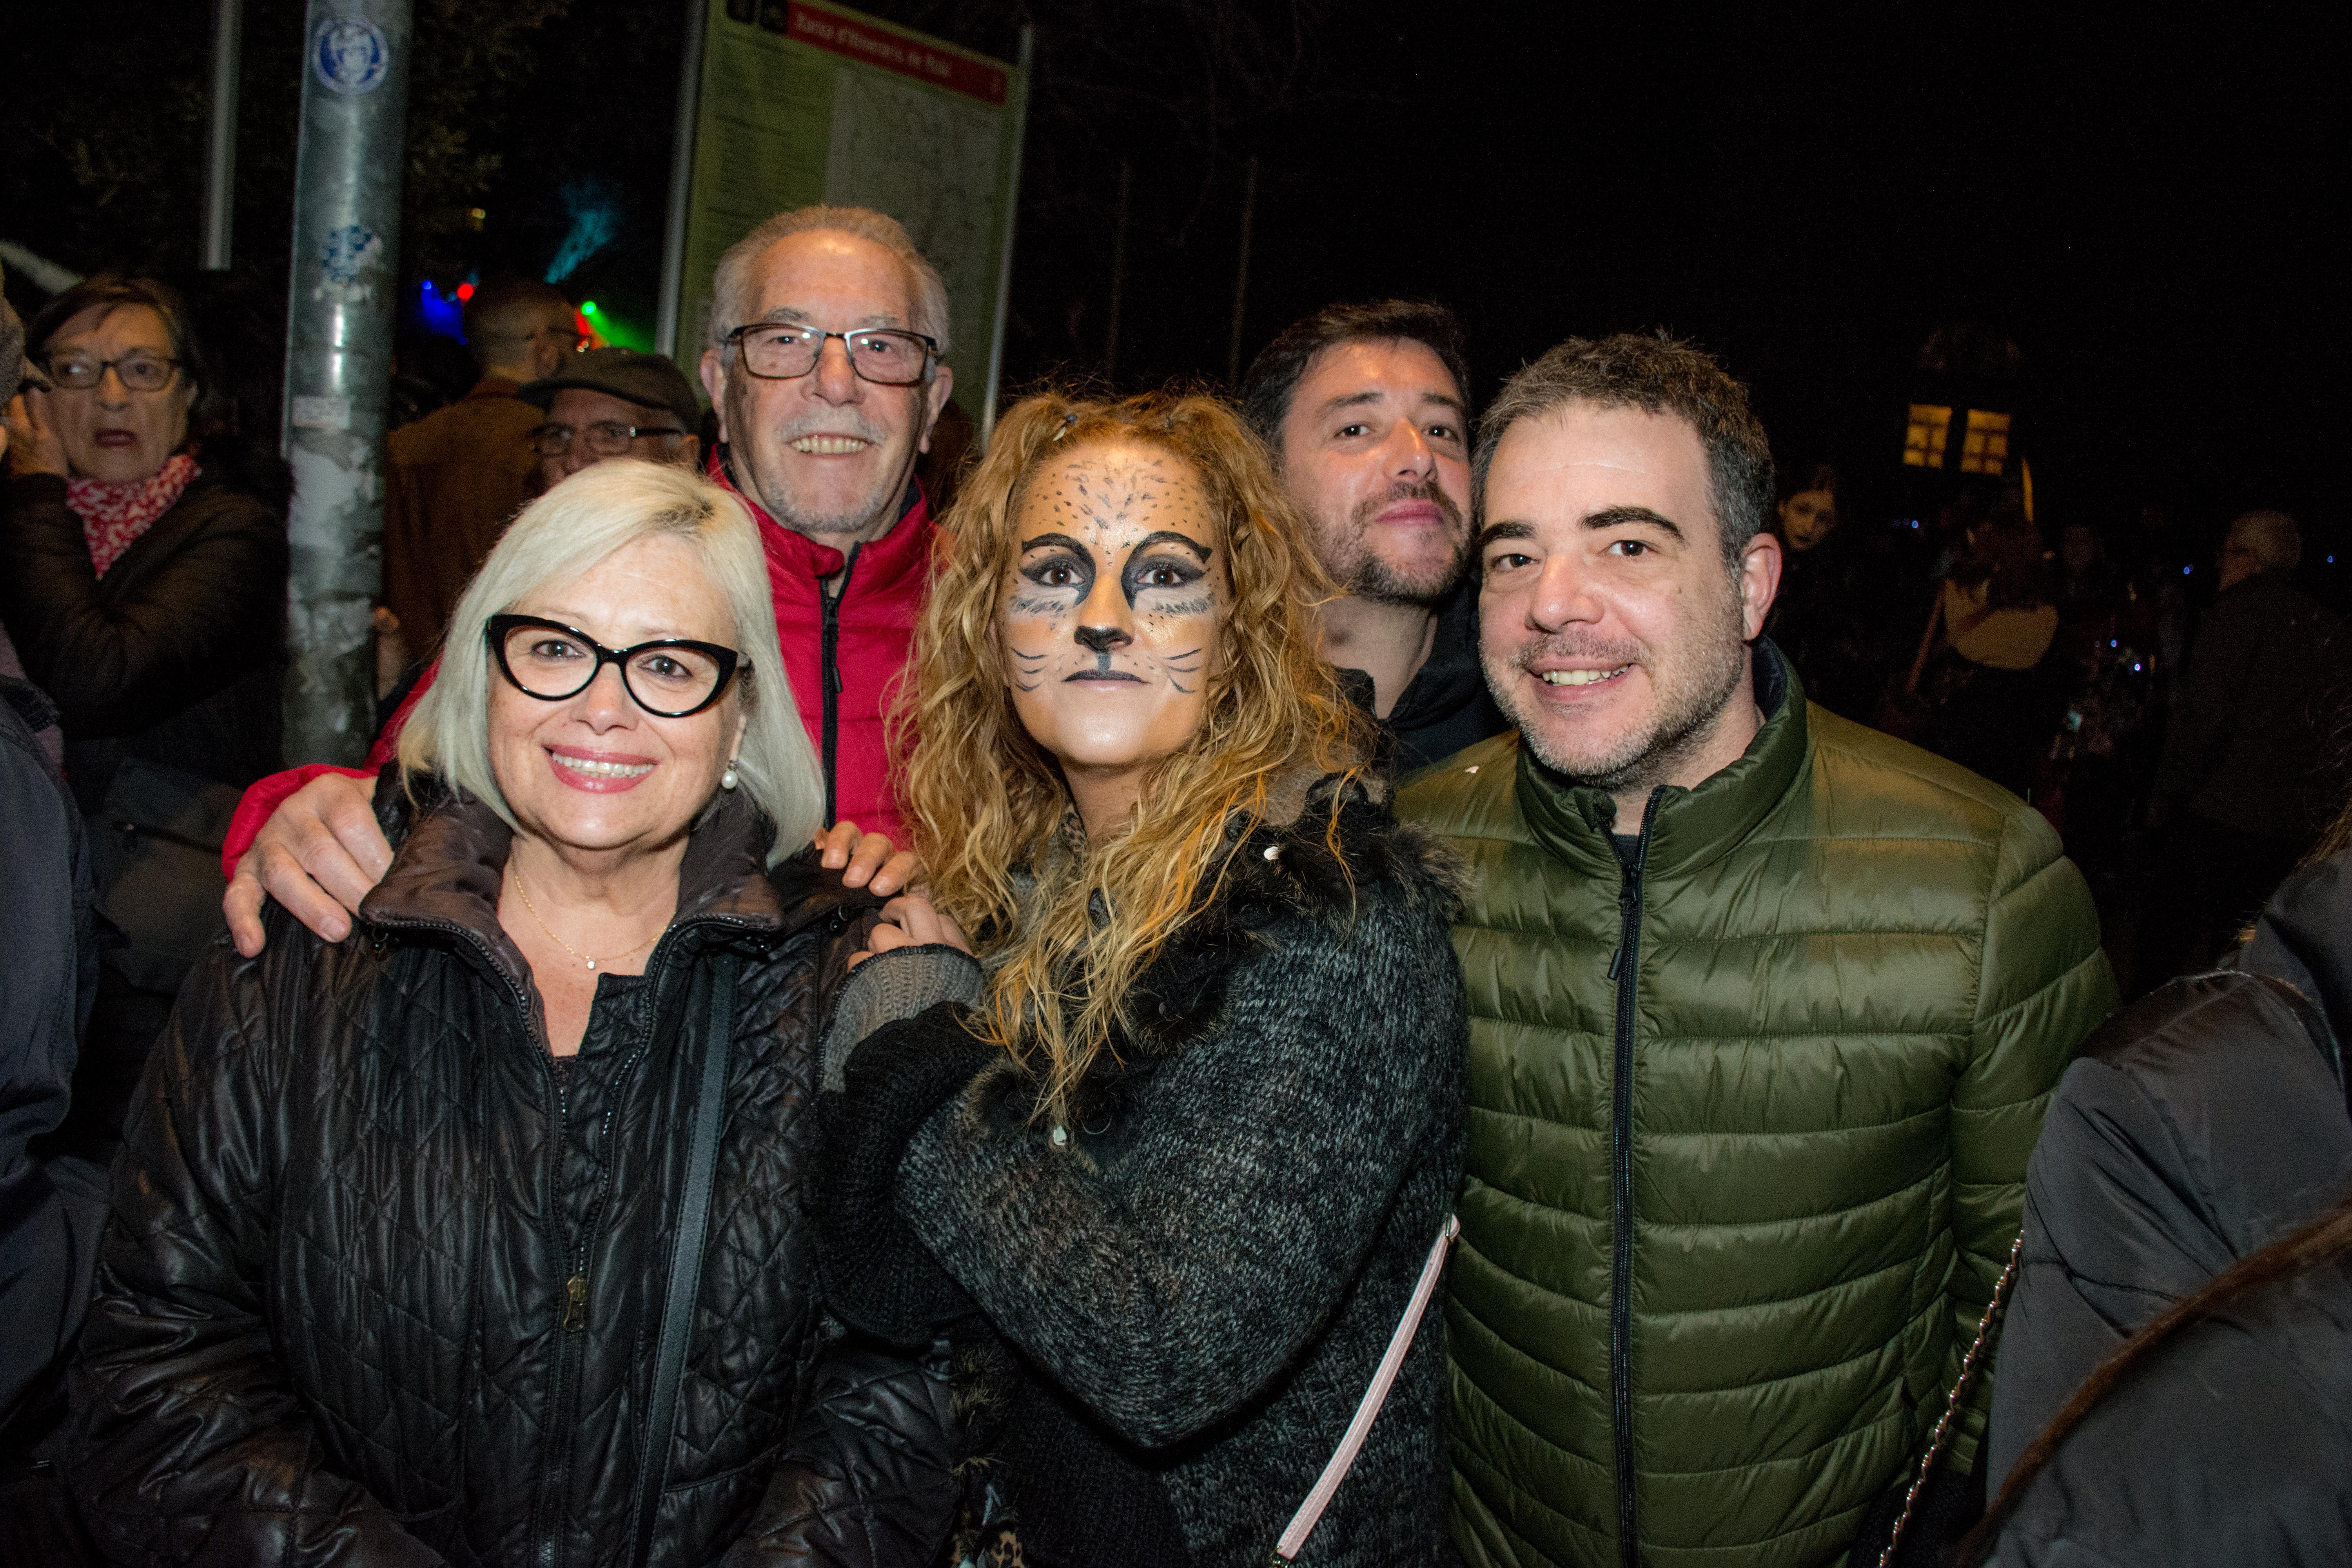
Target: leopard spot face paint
<point x="1114" y="606"/>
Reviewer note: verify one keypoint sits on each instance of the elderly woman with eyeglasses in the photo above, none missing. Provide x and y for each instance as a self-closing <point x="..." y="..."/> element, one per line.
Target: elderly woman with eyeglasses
<point x="142" y="583"/>
<point x="483" y="1238"/>
<point x="143" y="559"/>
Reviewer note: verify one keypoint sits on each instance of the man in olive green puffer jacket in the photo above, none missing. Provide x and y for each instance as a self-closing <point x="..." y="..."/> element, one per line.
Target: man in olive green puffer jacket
<point x="1765" y="1007"/>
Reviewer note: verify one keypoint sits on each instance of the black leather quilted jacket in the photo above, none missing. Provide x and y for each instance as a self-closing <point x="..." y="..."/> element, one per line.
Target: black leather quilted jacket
<point x="342" y="1315"/>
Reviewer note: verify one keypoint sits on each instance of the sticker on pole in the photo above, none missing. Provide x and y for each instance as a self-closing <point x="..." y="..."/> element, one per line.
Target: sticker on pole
<point x="323" y="414"/>
<point x="350" y="55"/>
<point x="344" y="253"/>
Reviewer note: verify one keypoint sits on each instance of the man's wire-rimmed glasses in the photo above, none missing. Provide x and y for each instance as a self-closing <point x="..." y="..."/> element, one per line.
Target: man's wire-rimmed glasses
<point x="670" y="678"/>
<point x="780" y="351"/>
<point x="606" y="438"/>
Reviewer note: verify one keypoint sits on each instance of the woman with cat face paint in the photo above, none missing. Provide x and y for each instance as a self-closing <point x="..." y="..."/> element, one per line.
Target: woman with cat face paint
<point x="1153" y="1107"/>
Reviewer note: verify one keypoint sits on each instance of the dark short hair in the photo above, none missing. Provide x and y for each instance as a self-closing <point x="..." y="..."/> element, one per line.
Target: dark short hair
<point x="497" y="309"/>
<point x="112" y="291"/>
<point x="1656" y="374"/>
<point x="1804" y="476"/>
<point x="1274" y="375"/>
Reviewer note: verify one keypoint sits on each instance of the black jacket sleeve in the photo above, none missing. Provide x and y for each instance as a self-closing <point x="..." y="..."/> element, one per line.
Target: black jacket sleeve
<point x="50" y="1209"/>
<point x="116" y="664"/>
<point x="2198" y="1126"/>
<point x="186" y="1443"/>
<point x="869" y="1482"/>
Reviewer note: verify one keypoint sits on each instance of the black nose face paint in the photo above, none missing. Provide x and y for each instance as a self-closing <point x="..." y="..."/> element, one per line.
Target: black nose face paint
<point x="1103" y="640"/>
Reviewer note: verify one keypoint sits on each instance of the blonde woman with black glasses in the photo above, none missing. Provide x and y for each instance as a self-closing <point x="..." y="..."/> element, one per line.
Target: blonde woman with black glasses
<point x="482" y="1239"/>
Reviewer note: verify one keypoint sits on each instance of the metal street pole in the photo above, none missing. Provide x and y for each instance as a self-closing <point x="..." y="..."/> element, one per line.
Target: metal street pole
<point x="339" y="322"/>
<point x="1241" y="272"/>
<point x="220" y="152"/>
<point x="672" y="299"/>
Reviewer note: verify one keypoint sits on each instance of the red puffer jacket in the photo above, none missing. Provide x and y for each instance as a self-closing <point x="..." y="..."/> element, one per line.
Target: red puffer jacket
<point x="843" y="654"/>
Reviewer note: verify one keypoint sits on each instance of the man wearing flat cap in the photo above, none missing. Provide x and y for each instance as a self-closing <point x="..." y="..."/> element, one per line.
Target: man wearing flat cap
<point x="613" y="402"/>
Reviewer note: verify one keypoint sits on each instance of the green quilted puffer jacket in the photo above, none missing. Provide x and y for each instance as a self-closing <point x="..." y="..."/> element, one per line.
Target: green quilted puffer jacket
<point x="1748" y="1125"/>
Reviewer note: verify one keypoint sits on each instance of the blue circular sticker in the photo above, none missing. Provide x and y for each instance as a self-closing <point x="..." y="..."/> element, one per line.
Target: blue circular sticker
<point x="350" y="55"/>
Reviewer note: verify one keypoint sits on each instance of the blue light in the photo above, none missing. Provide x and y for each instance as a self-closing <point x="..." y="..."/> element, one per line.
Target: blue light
<point x="436" y="313"/>
<point x="2186" y="569"/>
<point x="595" y="209"/>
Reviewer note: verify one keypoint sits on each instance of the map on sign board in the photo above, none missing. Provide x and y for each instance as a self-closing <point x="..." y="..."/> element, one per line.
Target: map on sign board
<point x="803" y="103"/>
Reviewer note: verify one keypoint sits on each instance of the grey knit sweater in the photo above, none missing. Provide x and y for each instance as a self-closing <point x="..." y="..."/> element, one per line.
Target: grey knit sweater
<point x="1208" y="1270"/>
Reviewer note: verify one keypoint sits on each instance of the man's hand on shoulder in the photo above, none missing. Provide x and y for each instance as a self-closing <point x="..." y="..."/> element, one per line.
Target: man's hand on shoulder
<point x="319" y="855"/>
<point x="866" y="860"/>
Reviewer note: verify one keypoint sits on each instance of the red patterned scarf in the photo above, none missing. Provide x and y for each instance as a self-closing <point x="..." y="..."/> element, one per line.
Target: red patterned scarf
<point x="114" y="513"/>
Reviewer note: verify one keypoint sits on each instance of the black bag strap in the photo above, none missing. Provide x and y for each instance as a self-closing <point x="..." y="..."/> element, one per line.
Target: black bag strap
<point x="685" y="1256"/>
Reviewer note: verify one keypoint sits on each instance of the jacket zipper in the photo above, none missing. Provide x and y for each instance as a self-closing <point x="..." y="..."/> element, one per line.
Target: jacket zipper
<point x="829" y="678"/>
<point x="572" y="1339"/>
<point x="1624" y="968"/>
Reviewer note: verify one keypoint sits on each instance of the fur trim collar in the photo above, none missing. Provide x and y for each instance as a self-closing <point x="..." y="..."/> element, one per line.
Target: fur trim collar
<point x="1285" y="870"/>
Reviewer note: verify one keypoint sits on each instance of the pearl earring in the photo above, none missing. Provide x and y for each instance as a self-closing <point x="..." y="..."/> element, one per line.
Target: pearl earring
<point x="727" y="779"/>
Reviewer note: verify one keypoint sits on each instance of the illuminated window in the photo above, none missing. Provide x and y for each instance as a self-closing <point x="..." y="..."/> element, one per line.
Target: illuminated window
<point x="1931" y="431"/>
<point x="1985" y="448"/>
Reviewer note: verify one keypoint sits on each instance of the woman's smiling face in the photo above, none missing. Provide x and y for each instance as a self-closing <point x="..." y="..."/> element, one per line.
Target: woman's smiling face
<point x="1113" y="609"/>
<point x="595" y="771"/>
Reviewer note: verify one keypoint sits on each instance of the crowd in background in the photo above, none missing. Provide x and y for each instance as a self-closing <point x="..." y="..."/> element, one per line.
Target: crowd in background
<point x="1136" y="1113"/>
<point x="2189" y="753"/>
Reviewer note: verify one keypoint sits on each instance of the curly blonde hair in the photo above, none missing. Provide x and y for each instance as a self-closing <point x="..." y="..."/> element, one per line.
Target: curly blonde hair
<point x="1066" y="926"/>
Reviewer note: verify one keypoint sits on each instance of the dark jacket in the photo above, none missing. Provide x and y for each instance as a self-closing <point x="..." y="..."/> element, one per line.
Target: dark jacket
<point x="174" y="655"/>
<point x="1198" y="1284"/>
<point x="50" y="1205"/>
<point x="1447" y="705"/>
<point x="2198" y="1126"/>
<point x="1749" y="1126"/>
<point x="1830" y="618"/>
<point x="2252" y="737"/>
<point x="371" y="1294"/>
<point x="2230" y="1444"/>
<point x="166" y="673"/>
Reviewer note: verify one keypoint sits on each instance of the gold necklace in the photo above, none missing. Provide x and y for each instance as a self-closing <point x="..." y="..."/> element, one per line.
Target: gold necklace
<point x="592" y="963"/>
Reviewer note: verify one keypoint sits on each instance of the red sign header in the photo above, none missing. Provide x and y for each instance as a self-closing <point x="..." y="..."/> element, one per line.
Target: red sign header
<point x="851" y="37"/>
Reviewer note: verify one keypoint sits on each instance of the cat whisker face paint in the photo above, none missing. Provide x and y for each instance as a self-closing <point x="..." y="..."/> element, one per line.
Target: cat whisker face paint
<point x="1113" y="611"/>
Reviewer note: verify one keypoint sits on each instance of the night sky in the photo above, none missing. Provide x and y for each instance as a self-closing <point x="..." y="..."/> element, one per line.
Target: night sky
<point x="2151" y="205"/>
<point x="2153" y="212"/>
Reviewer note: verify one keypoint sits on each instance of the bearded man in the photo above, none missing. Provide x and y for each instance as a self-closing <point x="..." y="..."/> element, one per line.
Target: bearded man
<point x="1766" y="1008"/>
<point x="1366" y="409"/>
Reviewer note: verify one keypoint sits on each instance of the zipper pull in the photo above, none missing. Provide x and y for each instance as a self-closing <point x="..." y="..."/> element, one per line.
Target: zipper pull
<point x="1616" y="959"/>
<point x="576" y="1303"/>
<point x="835" y="679"/>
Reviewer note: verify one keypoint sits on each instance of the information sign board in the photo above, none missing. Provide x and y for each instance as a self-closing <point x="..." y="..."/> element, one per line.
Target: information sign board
<point x="802" y="103"/>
